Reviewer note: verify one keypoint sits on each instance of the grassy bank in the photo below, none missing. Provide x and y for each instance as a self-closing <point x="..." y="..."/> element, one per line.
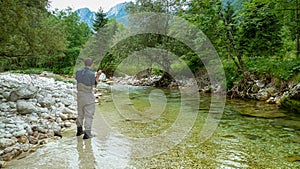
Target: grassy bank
<point x="281" y="70"/>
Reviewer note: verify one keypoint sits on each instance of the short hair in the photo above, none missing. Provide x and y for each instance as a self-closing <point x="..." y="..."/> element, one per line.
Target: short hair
<point x="88" y="62"/>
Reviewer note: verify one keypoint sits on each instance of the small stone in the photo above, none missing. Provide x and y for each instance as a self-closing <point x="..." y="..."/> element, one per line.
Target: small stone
<point x="19" y="133"/>
<point x="9" y="156"/>
<point x="72" y="116"/>
<point x="23" y="139"/>
<point x="32" y="150"/>
<point x="2" y="164"/>
<point x="8" y="150"/>
<point x="4" y="142"/>
<point x="4" y="107"/>
<point x="33" y="140"/>
<point x="2" y="125"/>
<point x="8" y="135"/>
<point x="50" y="133"/>
<point x="45" y="115"/>
<point x="42" y="130"/>
<point x="9" y="125"/>
<point x="43" y="136"/>
<point x="288" y="129"/>
<point x="32" y="119"/>
<point x="64" y="116"/>
<point x="12" y="105"/>
<point x="35" y="134"/>
<point x="25" y="147"/>
<point x="42" y="142"/>
<point x="262" y="95"/>
<point x="293" y="158"/>
<point x="68" y="124"/>
<point x="68" y="111"/>
<point x="25" y="107"/>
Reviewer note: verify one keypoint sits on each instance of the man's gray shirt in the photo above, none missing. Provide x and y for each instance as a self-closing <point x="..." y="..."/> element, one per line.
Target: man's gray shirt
<point x="86" y="77"/>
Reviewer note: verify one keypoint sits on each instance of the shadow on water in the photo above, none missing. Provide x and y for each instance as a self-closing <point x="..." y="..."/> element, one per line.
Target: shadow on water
<point x="240" y="141"/>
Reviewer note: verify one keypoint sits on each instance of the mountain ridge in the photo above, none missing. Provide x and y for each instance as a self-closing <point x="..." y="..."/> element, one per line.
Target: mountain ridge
<point x="88" y="16"/>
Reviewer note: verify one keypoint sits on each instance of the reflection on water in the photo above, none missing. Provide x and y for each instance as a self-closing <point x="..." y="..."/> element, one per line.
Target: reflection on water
<point x="238" y="142"/>
<point x="106" y="150"/>
<point x="86" y="155"/>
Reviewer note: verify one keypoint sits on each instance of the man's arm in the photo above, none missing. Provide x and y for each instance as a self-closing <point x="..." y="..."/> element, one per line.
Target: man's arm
<point x="97" y="78"/>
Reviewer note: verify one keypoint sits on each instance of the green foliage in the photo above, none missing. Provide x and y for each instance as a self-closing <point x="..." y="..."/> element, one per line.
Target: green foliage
<point x="278" y="68"/>
<point x="232" y="75"/>
<point x="290" y="104"/>
<point x="63" y="79"/>
<point x="77" y="34"/>
<point x="25" y="32"/>
<point x="100" y="20"/>
<point x="29" y="71"/>
<point x="259" y="29"/>
<point x="33" y="39"/>
<point x="282" y="70"/>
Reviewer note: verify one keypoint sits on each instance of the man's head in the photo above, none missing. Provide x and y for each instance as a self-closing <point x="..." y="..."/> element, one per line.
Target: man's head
<point x="88" y="62"/>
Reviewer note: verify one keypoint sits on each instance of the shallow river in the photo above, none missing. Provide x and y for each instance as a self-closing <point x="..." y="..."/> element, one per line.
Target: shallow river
<point x="145" y="128"/>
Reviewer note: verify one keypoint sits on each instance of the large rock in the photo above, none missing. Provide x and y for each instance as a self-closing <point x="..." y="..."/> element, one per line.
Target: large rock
<point x="291" y="100"/>
<point x="30" y="108"/>
<point x="262" y="95"/>
<point x="287" y="123"/>
<point x="295" y="92"/>
<point x="25" y="107"/>
<point x="4" y="143"/>
<point x="262" y="114"/>
<point x="46" y="101"/>
<point x="23" y="93"/>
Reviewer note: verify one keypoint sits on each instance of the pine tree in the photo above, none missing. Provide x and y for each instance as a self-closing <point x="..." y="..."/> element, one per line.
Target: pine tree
<point x="100" y="20"/>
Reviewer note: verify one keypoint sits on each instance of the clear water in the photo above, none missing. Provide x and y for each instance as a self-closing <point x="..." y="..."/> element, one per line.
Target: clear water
<point x="147" y="129"/>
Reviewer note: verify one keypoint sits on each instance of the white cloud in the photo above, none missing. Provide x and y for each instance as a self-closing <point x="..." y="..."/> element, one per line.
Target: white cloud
<point x="93" y="5"/>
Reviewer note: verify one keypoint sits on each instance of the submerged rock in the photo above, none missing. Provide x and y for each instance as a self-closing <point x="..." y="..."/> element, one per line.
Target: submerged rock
<point x="287" y="123"/>
<point x="263" y="114"/>
<point x="291" y="100"/>
<point x="293" y="158"/>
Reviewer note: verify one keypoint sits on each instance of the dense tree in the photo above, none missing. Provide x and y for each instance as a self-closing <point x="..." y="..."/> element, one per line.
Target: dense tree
<point x="229" y="41"/>
<point x="259" y="29"/>
<point x="100" y="20"/>
<point x="77" y="34"/>
<point x="99" y="47"/>
<point x="25" y="32"/>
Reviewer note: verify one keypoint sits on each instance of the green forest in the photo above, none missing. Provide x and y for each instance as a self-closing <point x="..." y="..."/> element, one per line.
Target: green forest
<point x="257" y="36"/>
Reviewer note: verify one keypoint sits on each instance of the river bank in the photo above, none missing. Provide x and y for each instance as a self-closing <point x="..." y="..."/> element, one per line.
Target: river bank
<point x="37" y="108"/>
<point x="238" y="142"/>
<point x="264" y="88"/>
<point x="33" y="109"/>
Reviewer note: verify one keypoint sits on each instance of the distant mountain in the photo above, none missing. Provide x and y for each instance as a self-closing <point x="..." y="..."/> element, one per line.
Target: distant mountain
<point x="118" y="11"/>
<point x="88" y="16"/>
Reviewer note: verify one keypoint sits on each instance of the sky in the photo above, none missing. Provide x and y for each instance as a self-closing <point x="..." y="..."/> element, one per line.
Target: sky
<point x="93" y="5"/>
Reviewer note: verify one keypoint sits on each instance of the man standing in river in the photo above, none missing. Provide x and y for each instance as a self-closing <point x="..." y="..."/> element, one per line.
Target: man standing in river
<point x="86" y="81"/>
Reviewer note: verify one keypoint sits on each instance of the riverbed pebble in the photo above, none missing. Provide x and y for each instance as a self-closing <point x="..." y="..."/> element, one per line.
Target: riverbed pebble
<point x="32" y="109"/>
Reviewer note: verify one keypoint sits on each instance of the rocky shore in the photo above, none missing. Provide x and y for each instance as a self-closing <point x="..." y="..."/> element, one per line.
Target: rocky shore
<point x="36" y="108"/>
<point x="285" y="94"/>
<point x="262" y="88"/>
<point x="33" y="109"/>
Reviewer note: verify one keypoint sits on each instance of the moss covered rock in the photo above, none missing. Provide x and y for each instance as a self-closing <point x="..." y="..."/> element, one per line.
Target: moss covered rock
<point x="290" y="104"/>
<point x="291" y="101"/>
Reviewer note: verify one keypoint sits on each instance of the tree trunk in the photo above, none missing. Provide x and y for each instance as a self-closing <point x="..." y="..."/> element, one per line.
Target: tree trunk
<point x="297" y="29"/>
<point x="233" y="43"/>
